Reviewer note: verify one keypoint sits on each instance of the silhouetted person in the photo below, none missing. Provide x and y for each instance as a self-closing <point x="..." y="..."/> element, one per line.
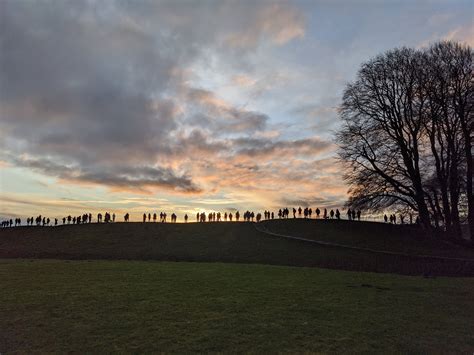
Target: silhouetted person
<point x="331" y="214"/>
<point x="353" y="215"/>
<point x="358" y="215"/>
<point x="237" y="215"/>
<point x="338" y="214"/>
<point x="402" y="218"/>
<point x="385" y="218"/>
<point x="317" y="212"/>
<point x="144" y="217"/>
<point x="325" y="214"/>
<point x="185" y="218"/>
<point x="349" y="214"/>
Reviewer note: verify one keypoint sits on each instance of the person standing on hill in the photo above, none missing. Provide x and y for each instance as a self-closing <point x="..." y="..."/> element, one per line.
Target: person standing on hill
<point x="358" y="215"/>
<point x="385" y="218"/>
<point x="185" y="218"/>
<point x="349" y="214"/>
<point x="338" y="214"/>
<point x="317" y="212"/>
<point x="144" y="217"/>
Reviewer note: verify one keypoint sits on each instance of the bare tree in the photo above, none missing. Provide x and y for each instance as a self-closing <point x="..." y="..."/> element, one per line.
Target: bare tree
<point x="382" y="113"/>
<point x="406" y="137"/>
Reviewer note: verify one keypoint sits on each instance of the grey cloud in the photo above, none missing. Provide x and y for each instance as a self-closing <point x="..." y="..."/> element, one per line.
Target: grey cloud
<point x="261" y="146"/>
<point x="129" y="177"/>
<point x="217" y="115"/>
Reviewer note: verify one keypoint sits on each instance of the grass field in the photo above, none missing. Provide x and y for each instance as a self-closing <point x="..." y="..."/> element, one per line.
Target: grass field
<point x="135" y="306"/>
<point x="241" y="243"/>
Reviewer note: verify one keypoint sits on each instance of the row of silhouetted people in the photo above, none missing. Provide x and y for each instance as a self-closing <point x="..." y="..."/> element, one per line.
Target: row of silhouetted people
<point x="393" y="218"/>
<point x="248" y="216"/>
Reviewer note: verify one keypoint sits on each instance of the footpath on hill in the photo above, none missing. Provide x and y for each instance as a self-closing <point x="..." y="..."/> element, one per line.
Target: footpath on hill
<point x="263" y="228"/>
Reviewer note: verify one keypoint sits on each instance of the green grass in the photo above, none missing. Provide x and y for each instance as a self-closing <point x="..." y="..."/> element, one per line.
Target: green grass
<point x="237" y="243"/>
<point x="133" y="306"/>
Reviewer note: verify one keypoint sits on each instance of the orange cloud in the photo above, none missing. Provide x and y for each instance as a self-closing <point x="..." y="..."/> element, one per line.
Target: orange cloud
<point x="277" y="23"/>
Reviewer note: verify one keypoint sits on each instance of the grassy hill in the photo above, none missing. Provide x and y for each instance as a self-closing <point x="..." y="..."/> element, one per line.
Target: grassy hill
<point x="242" y="243"/>
<point x="134" y="306"/>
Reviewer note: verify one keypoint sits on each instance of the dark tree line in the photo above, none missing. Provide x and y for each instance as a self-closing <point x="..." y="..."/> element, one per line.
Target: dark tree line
<point x="407" y="134"/>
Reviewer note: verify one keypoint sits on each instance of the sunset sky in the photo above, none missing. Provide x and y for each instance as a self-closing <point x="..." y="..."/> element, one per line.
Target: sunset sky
<point x="180" y="106"/>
